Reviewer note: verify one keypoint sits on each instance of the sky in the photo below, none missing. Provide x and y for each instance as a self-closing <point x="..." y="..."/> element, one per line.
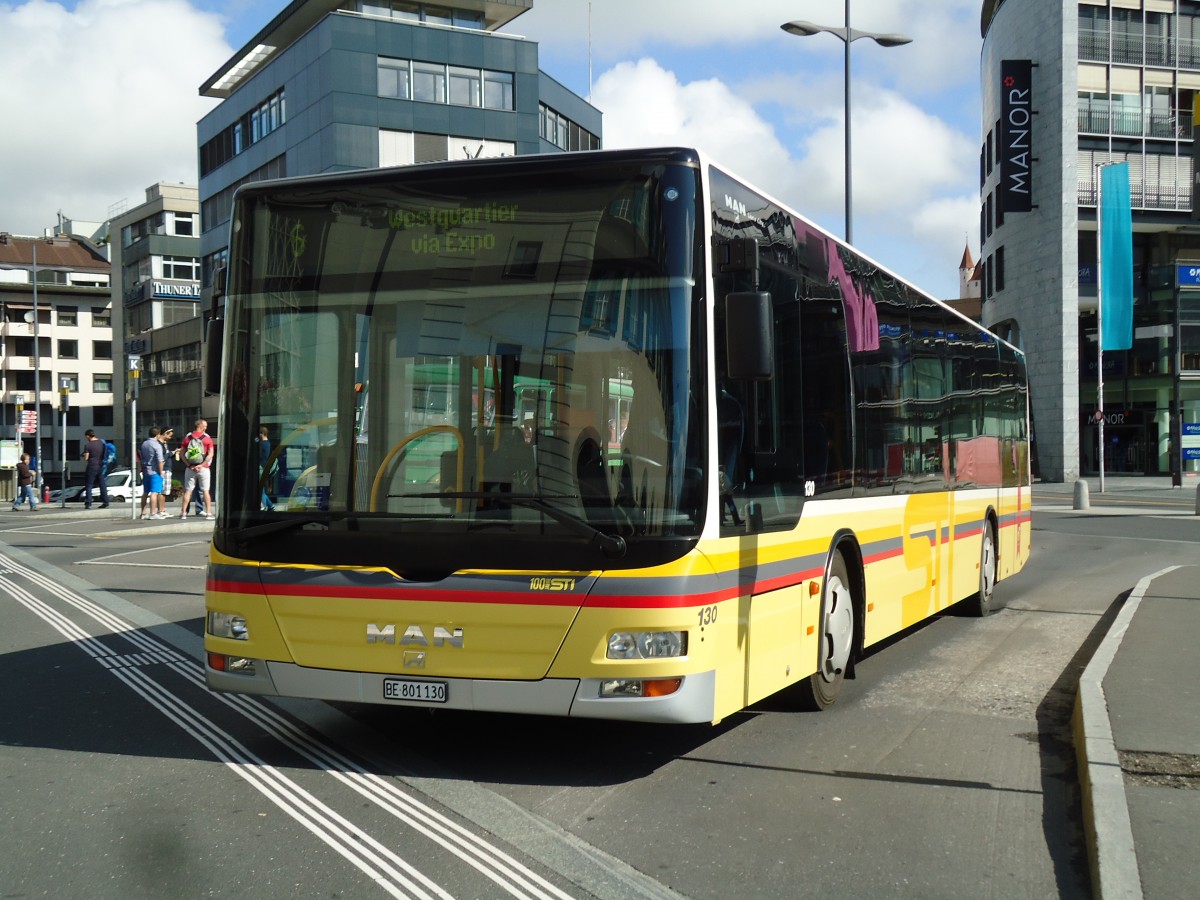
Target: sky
<point x="98" y="106"/>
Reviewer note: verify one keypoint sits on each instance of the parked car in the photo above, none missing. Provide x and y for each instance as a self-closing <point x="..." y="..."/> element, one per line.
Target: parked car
<point x="117" y="482"/>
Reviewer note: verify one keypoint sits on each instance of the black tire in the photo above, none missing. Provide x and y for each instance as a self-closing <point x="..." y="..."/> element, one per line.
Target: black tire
<point x="839" y="625"/>
<point x="981" y="603"/>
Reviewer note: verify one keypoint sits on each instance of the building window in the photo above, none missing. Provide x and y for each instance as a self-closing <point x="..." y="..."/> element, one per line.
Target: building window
<point x="562" y="132"/>
<point x="135" y="231"/>
<point x="72" y="379"/>
<point x="182" y="268"/>
<point x="102" y="417"/>
<point x="498" y="90"/>
<point x="999" y="265"/>
<point x="394" y="78"/>
<point x="172" y="312"/>
<point x="51" y="276"/>
<point x="101" y="349"/>
<point x="465" y="86"/>
<point x="403" y="148"/>
<point x="68" y="316"/>
<point x="430" y="14"/>
<point x="429" y="82"/>
<point x="184" y="224"/>
<point x="102" y="384"/>
<point x="68" y="349"/>
<point x="260" y="121"/>
<point x="403" y="79"/>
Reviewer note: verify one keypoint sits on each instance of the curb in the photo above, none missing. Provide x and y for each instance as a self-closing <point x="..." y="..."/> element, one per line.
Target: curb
<point x="1112" y="856"/>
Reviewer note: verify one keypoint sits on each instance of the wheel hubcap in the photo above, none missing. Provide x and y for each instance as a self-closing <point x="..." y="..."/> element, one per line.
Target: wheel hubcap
<point x="987" y="568"/>
<point x="839" y="628"/>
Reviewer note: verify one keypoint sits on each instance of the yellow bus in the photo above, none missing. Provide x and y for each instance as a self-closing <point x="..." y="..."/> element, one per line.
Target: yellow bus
<point x="607" y="434"/>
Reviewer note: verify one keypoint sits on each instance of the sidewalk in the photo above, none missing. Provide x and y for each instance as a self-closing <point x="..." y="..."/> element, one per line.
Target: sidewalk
<point x="1137" y="710"/>
<point x="118" y="518"/>
<point x="1137" y="739"/>
<point x="1122" y="495"/>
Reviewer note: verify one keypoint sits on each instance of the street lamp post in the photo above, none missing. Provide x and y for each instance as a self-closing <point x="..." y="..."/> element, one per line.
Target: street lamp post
<point x="846" y="35"/>
<point x="19" y="401"/>
<point x="39" y="474"/>
<point x="64" y="404"/>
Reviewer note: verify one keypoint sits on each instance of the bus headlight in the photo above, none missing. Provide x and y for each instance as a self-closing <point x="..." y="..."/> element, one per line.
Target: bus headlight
<point x="228" y="625"/>
<point x="647" y="644"/>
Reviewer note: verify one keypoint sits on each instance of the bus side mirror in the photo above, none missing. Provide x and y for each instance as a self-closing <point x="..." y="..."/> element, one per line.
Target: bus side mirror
<point x="749" y="336"/>
<point x="214" y="338"/>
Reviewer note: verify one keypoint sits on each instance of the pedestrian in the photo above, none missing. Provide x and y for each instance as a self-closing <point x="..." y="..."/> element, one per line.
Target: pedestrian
<point x="93" y="453"/>
<point x="264" y="460"/>
<point x="151" y="455"/>
<point x="25" y="489"/>
<point x="170" y="454"/>
<point x="197" y="451"/>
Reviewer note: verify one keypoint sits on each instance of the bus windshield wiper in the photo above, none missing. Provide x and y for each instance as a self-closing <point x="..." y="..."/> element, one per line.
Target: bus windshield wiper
<point x="613" y="545"/>
<point x="291" y="523"/>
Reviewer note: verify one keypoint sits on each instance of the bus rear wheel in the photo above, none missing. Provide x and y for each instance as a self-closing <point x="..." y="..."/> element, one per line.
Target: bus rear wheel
<point x="838" y="622"/>
<point x="981" y="603"/>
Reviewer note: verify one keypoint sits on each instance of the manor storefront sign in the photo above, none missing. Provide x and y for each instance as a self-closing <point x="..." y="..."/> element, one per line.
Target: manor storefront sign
<point x="1016" y="130"/>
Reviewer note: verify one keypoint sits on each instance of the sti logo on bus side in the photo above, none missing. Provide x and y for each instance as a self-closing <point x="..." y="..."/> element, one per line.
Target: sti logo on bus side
<point x="414" y="635"/>
<point x="552" y="584"/>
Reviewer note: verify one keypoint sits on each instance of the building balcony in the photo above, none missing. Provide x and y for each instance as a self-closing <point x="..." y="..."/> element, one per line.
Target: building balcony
<point x="19" y="329"/>
<point x="14" y="363"/>
<point x="1137" y="48"/>
<point x="1175" y="125"/>
<point x="1171" y="197"/>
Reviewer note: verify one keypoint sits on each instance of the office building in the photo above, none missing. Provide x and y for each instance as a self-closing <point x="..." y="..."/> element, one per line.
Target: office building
<point x="1069" y="86"/>
<point x="334" y="85"/>
<point x="155" y="255"/>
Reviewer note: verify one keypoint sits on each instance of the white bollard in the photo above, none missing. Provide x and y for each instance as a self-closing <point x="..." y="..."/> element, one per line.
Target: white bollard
<point x="1081" y="495"/>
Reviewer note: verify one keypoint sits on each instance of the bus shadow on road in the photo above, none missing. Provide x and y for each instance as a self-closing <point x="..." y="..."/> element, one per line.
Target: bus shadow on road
<point x="532" y="750"/>
<point x="58" y="697"/>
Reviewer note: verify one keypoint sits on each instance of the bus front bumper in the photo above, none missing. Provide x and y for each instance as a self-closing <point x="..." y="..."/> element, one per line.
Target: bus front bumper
<point x="693" y="702"/>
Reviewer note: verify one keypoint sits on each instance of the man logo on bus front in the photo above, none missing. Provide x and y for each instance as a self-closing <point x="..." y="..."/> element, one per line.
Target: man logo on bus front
<point x="414" y="635"/>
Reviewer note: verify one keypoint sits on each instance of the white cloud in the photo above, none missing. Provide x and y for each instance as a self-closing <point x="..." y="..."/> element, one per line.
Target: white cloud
<point x="911" y="209"/>
<point x="107" y="104"/>
<point x="645" y="105"/>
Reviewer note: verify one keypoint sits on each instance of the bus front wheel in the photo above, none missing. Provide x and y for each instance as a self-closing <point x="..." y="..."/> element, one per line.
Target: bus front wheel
<point x="836" y="642"/>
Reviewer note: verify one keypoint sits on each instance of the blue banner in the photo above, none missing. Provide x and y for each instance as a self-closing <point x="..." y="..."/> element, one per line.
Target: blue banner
<point x="1116" y="259"/>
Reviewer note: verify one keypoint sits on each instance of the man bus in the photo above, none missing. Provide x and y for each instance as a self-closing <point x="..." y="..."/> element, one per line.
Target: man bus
<point x="814" y="455"/>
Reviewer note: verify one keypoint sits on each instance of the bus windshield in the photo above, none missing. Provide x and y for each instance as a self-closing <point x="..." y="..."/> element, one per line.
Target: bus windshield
<point x="479" y="365"/>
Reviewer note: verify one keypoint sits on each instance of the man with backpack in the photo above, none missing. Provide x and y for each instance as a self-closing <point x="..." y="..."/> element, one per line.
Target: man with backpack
<point x="196" y="452"/>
